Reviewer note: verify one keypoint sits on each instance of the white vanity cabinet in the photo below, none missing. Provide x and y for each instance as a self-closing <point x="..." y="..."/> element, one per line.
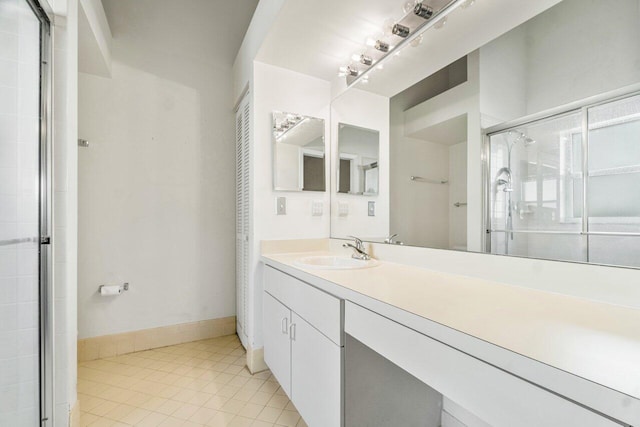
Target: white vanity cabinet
<point x="303" y="346"/>
<point x="277" y="348"/>
<point x="497" y="397"/>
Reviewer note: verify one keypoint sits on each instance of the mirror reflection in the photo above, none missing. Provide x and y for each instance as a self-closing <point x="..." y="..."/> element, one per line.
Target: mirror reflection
<point x="298" y="152"/>
<point x="526" y="145"/>
<point x="540" y="204"/>
<point x="358" y="154"/>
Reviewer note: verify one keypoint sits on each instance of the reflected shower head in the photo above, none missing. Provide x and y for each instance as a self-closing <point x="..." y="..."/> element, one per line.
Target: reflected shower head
<point x="521" y="137"/>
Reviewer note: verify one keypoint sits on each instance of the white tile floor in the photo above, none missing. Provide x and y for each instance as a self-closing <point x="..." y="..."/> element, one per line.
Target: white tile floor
<point x="204" y="383"/>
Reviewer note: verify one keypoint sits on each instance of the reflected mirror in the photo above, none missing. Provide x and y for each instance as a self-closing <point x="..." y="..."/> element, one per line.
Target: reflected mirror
<point x="520" y="141"/>
<point x="358" y="152"/>
<point x="298" y="152"/>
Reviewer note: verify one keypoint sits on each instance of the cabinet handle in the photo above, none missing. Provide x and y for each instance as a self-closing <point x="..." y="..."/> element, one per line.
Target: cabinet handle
<point x="292" y="332"/>
<point x="284" y="325"/>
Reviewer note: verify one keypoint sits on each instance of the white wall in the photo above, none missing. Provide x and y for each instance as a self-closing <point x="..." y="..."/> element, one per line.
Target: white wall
<point x="457" y="194"/>
<point x="503" y="78"/>
<point x="263" y="18"/>
<point x="94" y="39"/>
<point x="581" y="48"/>
<point x="419" y="212"/>
<point x="157" y="182"/>
<point x="65" y="206"/>
<point x="367" y="110"/>
<point x="277" y="89"/>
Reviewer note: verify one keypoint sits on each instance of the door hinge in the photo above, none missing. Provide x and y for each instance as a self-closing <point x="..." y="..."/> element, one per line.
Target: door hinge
<point x="46" y="240"/>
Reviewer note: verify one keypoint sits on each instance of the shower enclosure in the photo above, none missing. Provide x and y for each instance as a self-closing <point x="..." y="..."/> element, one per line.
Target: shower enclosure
<point x="567" y="186"/>
<point x="25" y="318"/>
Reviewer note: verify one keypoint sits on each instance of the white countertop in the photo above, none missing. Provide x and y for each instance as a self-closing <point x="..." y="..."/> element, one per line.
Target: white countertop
<point x="597" y="344"/>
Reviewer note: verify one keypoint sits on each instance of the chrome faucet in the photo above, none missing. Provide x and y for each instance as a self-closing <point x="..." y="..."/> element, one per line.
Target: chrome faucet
<point x="391" y="240"/>
<point x="358" y="249"/>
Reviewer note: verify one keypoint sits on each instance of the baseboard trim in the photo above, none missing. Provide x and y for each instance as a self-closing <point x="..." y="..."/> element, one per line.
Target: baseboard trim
<point x="255" y="360"/>
<point x="74" y="415"/>
<point x="146" y="339"/>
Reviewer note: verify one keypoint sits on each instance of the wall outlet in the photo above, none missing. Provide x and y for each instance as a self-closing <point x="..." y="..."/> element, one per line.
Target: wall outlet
<point x="317" y="207"/>
<point x="343" y="209"/>
<point x="372" y="209"/>
<point x="281" y="206"/>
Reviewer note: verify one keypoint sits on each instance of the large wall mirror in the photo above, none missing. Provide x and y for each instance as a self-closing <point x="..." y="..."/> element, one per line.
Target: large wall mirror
<point x="526" y="145"/>
<point x="298" y="152"/>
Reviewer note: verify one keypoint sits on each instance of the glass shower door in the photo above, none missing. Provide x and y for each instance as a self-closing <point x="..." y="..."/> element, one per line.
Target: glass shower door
<point x="566" y="187"/>
<point x="23" y="183"/>
<point x="614" y="182"/>
<point x="536" y="198"/>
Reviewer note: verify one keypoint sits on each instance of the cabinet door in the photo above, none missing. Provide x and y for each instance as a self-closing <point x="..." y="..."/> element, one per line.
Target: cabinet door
<point x="315" y="375"/>
<point x="276" y="319"/>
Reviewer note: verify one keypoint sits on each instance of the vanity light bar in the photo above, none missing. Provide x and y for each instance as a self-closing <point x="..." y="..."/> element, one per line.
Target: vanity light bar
<point x="431" y="19"/>
<point x="288" y="125"/>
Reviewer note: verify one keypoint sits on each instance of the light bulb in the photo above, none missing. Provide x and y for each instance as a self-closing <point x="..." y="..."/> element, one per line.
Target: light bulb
<point x="371" y="42"/>
<point x="352" y="71"/>
<point x="423" y="11"/>
<point x="366" y="60"/>
<point x="401" y="30"/>
<point x="382" y="46"/>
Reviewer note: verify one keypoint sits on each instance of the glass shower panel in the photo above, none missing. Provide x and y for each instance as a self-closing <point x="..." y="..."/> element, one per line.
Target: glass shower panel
<point x="19" y="214"/>
<point x="536" y="189"/>
<point x="564" y="247"/>
<point x="614" y="169"/>
<point x="615" y="250"/>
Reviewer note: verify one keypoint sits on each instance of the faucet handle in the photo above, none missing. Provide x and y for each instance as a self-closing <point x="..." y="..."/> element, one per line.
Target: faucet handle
<point x="359" y="243"/>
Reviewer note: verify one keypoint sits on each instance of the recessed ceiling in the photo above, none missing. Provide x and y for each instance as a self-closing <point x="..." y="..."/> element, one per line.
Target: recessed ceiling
<point x="449" y="132"/>
<point x="219" y="26"/>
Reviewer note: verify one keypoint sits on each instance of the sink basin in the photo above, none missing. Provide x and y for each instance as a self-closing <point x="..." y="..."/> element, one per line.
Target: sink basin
<point x="329" y="262"/>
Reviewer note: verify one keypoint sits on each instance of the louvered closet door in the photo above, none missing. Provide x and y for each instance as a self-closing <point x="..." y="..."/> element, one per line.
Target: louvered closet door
<point x="243" y="139"/>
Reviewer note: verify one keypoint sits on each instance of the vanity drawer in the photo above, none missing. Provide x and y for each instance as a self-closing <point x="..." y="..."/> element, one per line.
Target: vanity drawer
<point x="495" y="396"/>
<point x="321" y="310"/>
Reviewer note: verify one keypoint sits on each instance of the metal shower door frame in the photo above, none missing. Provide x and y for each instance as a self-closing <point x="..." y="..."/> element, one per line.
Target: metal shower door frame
<point x="45" y="279"/>
<point x="582" y="107"/>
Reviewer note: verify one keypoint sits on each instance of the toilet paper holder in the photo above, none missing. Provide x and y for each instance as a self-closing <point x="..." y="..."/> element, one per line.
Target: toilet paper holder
<point x="123" y="287"/>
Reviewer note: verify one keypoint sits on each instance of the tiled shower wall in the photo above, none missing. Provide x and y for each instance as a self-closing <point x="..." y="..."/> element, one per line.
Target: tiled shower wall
<point x="19" y="143"/>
